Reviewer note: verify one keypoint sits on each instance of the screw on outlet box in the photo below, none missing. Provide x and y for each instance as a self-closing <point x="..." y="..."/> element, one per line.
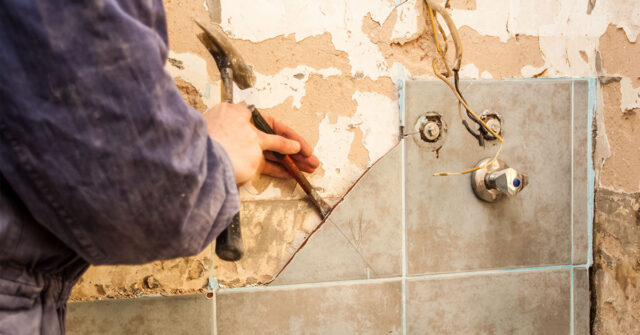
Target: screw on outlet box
<point x="493" y="121"/>
<point x="430" y="127"/>
<point x="431" y="131"/>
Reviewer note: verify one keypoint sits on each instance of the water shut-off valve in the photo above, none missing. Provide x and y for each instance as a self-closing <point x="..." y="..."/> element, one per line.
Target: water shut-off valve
<point x="496" y="180"/>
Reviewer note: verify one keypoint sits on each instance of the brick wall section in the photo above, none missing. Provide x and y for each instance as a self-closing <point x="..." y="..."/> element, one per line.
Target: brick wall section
<point x="615" y="276"/>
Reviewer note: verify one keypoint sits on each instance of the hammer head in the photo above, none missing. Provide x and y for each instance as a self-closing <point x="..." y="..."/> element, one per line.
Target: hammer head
<point x="225" y="55"/>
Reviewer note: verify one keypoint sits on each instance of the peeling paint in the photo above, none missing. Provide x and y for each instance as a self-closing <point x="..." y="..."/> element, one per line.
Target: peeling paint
<point x="332" y="150"/>
<point x="469" y="71"/>
<point x="305" y="18"/>
<point x="620" y="172"/>
<point x="270" y="91"/>
<point x="529" y="71"/>
<point x="377" y="116"/>
<point x="194" y="71"/>
<point x="406" y="24"/>
<point x="565" y="28"/>
<point x="630" y="96"/>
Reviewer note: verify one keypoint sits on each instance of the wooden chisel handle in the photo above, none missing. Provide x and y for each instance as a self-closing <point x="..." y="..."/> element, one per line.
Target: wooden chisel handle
<point x="291" y="167"/>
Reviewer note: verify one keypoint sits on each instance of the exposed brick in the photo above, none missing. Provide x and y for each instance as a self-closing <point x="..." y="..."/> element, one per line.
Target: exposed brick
<point x="615" y="279"/>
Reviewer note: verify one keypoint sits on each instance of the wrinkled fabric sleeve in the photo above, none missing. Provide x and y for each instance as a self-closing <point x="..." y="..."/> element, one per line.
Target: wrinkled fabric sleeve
<point x="97" y="141"/>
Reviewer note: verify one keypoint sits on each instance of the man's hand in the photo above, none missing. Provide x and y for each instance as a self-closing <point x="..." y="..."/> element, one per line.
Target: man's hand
<point x="230" y="125"/>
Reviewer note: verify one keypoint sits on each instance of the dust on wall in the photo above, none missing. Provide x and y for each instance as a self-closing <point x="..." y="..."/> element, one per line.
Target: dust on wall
<point x="330" y="69"/>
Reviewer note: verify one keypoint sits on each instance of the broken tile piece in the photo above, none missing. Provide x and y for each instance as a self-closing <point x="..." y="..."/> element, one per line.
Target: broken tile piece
<point x="363" y="236"/>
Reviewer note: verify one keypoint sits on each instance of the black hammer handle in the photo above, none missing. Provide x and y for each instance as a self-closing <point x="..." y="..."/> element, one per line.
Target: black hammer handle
<point x="229" y="245"/>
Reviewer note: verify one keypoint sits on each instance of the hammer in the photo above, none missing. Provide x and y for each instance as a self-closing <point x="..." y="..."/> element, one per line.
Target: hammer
<point x="232" y="68"/>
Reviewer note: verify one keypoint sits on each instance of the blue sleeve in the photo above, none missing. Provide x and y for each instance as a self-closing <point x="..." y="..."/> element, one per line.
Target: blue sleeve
<point x="95" y="138"/>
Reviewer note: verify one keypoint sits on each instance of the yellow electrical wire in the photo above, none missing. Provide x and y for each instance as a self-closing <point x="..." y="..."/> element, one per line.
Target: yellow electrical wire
<point x="460" y="100"/>
<point x="455" y="36"/>
<point x="435" y="30"/>
<point x="437" y="43"/>
<point x="436" y="27"/>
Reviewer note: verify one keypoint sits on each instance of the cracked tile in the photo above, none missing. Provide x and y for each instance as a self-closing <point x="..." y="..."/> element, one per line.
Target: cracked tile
<point x="363" y="236"/>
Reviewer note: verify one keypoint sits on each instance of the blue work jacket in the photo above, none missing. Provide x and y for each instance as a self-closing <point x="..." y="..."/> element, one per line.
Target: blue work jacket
<point x="101" y="160"/>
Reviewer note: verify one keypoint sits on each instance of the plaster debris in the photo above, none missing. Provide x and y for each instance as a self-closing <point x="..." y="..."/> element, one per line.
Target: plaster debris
<point x="469" y="71"/>
<point x="490" y="18"/>
<point x="333" y="151"/>
<point x="193" y="70"/>
<point x="249" y="191"/>
<point x="620" y="171"/>
<point x="304" y="18"/>
<point x="187" y="275"/>
<point x="270" y="91"/>
<point x="630" y="96"/>
<point x="377" y="116"/>
<point x="500" y="59"/>
<point x="190" y="94"/>
<point x="529" y="71"/>
<point x="509" y="18"/>
<point x="272" y="232"/>
<point x="602" y="149"/>
<point x="176" y="63"/>
<point x="406" y="24"/>
<point x="565" y="28"/>
<point x="486" y="75"/>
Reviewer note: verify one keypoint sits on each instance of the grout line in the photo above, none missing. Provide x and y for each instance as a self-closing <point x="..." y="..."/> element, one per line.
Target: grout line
<point x="572" y="204"/>
<point x="308" y="285"/>
<point x="591" y="110"/>
<point x="404" y="241"/>
<point x="491" y="272"/>
<point x="215" y="313"/>
<point x="572" y="167"/>
<point x="399" y="278"/>
<point x="571" y="310"/>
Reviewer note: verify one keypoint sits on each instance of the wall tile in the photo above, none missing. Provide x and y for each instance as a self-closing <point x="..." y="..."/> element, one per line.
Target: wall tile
<point x="355" y="308"/>
<point x="187" y="314"/>
<point x="363" y="236"/>
<point x="448" y="228"/>
<point x="581" y="302"/>
<point x="514" y="302"/>
<point x="580" y="183"/>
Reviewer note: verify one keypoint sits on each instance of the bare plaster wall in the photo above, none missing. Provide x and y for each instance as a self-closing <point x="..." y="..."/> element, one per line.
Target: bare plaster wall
<point x="330" y="68"/>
